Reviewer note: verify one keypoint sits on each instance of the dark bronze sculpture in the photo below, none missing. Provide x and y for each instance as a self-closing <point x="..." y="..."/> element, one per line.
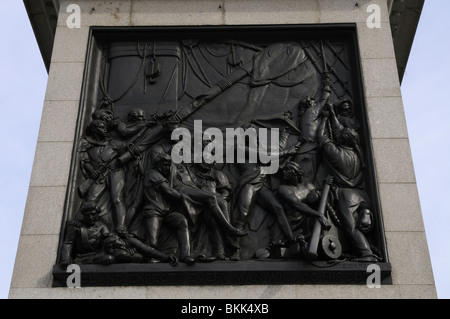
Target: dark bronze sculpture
<point x="135" y="205"/>
<point x="159" y="205"/>
<point x="344" y="161"/>
<point x="88" y="241"/>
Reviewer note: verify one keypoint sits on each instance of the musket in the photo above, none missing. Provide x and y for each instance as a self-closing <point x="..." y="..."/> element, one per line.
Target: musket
<point x="317" y="228"/>
<point x="310" y="56"/>
<point x="132" y="152"/>
<point x="316" y="65"/>
<point x="329" y="68"/>
<point x="325" y="64"/>
<point x="325" y="69"/>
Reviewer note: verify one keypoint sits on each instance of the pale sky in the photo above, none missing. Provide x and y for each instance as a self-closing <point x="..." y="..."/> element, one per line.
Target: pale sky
<point x="425" y="97"/>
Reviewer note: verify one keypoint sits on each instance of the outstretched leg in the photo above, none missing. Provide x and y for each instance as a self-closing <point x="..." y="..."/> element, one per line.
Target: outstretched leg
<point x="180" y="223"/>
<point x="210" y="200"/>
<point x="266" y="198"/>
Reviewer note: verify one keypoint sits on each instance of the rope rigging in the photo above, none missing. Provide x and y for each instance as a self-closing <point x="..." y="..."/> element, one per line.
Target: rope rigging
<point x="141" y="68"/>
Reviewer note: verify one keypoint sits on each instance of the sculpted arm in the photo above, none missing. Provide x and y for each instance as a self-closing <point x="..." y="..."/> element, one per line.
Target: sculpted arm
<point x="165" y="188"/>
<point x="293" y="201"/>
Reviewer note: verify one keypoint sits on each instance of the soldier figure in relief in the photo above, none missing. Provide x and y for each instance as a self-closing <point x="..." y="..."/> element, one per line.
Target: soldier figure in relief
<point x="343" y="160"/>
<point x="159" y="207"/>
<point x="298" y="198"/>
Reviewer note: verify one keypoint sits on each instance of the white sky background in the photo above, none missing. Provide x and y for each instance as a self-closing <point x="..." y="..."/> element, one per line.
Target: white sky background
<point x="425" y="90"/>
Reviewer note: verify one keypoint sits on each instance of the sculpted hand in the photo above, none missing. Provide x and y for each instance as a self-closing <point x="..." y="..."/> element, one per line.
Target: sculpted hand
<point x="329" y="180"/>
<point x="324" y="222"/>
<point x="95" y="174"/>
<point x="294" y="150"/>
